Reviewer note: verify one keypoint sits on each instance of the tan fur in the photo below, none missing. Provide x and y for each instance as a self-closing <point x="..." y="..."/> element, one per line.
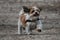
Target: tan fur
<point x="31" y="10"/>
<point x="22" y="18"/>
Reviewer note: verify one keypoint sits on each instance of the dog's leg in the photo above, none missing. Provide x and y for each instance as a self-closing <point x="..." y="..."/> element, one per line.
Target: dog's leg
<point x="28" y="28"/>
<point x="39" y="25"/>
<point x="19" y="27"/>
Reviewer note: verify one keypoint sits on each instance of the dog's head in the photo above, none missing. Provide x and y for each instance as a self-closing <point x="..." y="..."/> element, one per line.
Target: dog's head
<point x="33" y="11"/>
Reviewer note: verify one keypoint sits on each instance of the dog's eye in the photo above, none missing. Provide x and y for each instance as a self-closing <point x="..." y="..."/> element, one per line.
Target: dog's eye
<point x="38" y="10"/>
<point x="32" y="11"/>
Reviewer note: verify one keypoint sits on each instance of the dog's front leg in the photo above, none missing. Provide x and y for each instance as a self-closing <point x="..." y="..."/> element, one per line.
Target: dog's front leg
<point x="28" y="28"/>
<point x="39" y="25"/>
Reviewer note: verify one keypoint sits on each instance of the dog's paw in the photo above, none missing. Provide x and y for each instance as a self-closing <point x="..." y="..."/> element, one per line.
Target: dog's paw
<point x="19" y="33"/>
<point x="28" y="33"/>
<point x="39" y="30"/>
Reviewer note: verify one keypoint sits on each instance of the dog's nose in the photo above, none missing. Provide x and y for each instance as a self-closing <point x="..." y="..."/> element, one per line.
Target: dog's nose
<point x="36" y="13"/>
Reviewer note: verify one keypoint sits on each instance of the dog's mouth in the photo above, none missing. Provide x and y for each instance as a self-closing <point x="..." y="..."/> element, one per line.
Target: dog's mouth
<point x="36" y="14"/>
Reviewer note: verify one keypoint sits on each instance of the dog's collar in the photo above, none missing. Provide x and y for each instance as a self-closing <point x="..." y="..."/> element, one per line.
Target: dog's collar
<point x="32" y="20"/>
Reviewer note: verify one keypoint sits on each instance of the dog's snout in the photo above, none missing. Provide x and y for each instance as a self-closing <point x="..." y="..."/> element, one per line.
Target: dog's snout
<point x="36" y="14"/>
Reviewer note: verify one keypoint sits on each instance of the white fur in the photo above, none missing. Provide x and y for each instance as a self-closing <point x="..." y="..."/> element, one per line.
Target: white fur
<point x="34" y="7"/>
<point x="21" y="12"/>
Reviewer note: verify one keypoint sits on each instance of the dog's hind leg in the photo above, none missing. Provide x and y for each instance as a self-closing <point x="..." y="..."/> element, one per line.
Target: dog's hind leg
<point x="19" y="27"/>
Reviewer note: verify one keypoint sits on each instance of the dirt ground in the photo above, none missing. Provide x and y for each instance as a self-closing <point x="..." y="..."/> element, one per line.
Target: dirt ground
<point x="10" y="33"/>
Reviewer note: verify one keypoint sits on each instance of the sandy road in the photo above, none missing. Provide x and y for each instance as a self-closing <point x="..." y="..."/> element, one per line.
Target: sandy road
<point x="10" y="33"/>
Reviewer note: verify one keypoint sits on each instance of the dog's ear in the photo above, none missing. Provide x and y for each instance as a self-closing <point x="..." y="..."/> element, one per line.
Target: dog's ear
<point x="26" y="9"/>
<point x="40" y="8"/>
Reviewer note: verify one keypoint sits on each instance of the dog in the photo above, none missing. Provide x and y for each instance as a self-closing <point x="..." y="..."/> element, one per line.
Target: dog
<point x="29" y="18"/>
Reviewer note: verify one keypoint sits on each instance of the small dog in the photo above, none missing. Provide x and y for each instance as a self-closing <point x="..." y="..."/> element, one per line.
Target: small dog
<point x="29" y="18"/>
